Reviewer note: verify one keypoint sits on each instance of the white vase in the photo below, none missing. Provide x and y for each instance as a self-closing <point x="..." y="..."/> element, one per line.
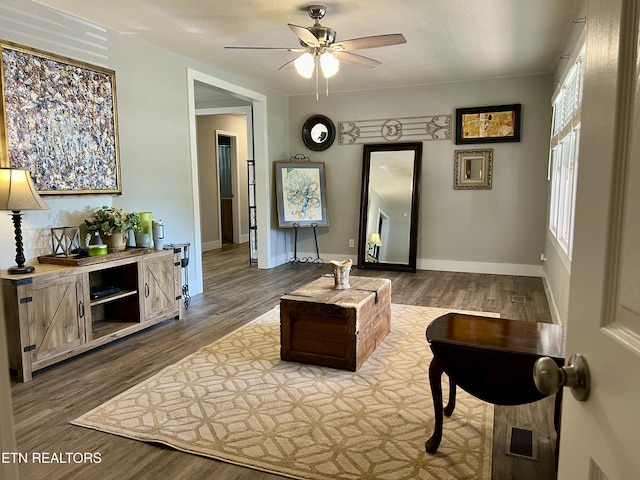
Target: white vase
<point x="341" y="271"/>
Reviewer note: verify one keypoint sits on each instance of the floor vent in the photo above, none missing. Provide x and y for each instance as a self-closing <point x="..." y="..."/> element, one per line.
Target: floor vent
<point x="519" y="299"/>
<point x="522" y="442"/>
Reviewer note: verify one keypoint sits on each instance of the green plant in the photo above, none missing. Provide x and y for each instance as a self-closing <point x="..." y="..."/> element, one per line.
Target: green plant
<point x="109" y="220"/>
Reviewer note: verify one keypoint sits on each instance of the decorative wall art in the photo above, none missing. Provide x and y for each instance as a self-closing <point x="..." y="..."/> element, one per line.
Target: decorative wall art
<point x="429" y="127"/>
<point x="473" y="169"/>
<point x="301" y="194"/>
<point x="59" y="121"/>
<point x="318" y="133"/>
<point x="488" y="124"/>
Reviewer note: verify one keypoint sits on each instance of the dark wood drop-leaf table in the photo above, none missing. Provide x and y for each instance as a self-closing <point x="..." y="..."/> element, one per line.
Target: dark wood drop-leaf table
<point x="490" y="358"/>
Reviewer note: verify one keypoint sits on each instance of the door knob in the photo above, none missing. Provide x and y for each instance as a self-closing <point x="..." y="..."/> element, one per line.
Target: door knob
<point x="548" y="377"/>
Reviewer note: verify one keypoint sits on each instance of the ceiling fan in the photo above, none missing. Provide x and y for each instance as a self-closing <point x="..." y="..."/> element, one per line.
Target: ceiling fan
<point x="319" y="48"/>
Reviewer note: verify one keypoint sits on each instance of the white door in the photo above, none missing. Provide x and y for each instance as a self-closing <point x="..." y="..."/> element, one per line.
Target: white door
<point x="600" y="438"/>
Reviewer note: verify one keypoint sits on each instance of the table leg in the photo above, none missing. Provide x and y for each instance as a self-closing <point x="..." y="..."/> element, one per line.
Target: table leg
<point x="557" y="410"/>
<point x="451" y="404"/>
<point x="435" y="378"/>
<point x="557" y="415"/>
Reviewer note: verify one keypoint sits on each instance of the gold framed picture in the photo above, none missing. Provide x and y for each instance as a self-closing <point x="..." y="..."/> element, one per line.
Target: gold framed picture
<point x="500" y="123"/>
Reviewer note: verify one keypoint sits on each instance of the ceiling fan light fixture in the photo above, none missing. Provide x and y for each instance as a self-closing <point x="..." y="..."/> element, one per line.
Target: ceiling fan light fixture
<point x="329" y="64"/>
<point x="322" y="52"/>
<point x="305" y="64"/>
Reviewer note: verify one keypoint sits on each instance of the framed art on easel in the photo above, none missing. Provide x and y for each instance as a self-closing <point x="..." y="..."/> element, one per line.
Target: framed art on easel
<point x="301" y="194"/>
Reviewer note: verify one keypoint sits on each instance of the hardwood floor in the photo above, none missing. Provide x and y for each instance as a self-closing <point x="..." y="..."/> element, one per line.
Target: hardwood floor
<point x="235" y="293"/>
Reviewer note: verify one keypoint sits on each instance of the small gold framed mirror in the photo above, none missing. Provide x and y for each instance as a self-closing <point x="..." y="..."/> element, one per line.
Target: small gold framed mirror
<point x="473" y="169"/>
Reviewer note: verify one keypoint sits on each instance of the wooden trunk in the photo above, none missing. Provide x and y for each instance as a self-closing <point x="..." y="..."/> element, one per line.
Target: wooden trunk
<point x="335" y="328"/>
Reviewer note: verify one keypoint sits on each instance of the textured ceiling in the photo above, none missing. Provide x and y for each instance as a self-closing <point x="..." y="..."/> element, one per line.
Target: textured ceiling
<point x="447" y="41"/>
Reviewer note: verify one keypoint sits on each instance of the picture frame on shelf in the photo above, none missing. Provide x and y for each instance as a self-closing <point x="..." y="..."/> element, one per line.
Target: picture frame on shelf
<point x="59" y="121"/>
<point x="493" y="124"/>
<point x="301" y="195"/>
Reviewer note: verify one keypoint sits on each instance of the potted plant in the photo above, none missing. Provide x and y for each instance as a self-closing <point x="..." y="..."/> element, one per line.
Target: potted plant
<point x="114" y="225"/>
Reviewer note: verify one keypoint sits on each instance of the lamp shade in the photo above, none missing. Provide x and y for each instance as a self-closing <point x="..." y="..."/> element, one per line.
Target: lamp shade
<point x="17" y="191"/>
<point x="375" y="239"/>
<point x="329" y="64"/>
<point x="305" y="64"/>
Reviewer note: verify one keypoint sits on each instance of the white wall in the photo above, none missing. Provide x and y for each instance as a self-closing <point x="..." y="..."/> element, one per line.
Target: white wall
<point x="495" y="231"/>
<point x="557" y="270"/>
<point x="153" y="116"/>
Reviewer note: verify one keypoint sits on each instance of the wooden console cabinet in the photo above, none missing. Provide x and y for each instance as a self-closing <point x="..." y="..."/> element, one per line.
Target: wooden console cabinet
<point x="50" y="315"/>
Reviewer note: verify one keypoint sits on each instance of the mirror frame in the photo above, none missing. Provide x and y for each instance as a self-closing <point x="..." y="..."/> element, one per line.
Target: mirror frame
<point x="308" y="126"/>
<point x="416" y="147"/>
<point x="461" y="181"/>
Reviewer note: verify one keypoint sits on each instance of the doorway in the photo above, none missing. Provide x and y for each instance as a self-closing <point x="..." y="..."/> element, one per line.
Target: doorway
<point x="227" y="161"/>
<point x="254" y="105"/>
<point x="225" y="177"/>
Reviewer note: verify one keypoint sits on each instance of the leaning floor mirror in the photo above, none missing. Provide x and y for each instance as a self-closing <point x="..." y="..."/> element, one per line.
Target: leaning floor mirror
<point x="388" y="235"/>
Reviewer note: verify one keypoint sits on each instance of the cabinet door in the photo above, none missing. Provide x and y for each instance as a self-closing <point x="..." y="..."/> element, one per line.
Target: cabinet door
<point x="159" y="290"/>
<point x="55" y="316"/>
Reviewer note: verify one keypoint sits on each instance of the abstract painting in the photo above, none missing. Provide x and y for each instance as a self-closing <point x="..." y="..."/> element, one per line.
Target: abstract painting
<point x="59" y="121"/>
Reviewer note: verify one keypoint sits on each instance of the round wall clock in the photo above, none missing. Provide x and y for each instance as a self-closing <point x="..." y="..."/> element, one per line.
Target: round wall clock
<point x="318" y="133"/>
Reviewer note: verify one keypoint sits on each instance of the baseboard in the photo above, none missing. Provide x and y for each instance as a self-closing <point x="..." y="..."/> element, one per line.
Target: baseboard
<point x="522" y="270"/>
<point x="215" y="244"/>
<point x="282" y="259"/>
<point x="212" y="245"/>
<point x="551" y="301"/>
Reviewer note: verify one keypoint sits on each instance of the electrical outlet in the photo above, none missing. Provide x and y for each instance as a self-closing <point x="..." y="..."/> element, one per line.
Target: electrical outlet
<point x="352" y="242"/>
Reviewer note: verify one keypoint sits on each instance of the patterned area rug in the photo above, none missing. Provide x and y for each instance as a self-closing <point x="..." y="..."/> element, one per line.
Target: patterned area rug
<point x="236" y="401"/>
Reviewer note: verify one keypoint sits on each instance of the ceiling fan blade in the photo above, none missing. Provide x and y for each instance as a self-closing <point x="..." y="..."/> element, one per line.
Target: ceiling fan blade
<point x="298" y="49"/>
<point x="289" y="64"/>
<point x="357" y="60"/>
<point x="304" y="35"/>
<point x="370" y="42"/>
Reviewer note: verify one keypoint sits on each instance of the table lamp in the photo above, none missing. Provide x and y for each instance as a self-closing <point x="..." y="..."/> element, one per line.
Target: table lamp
<point x="375" y="239"/>
<point x="374" y="242"/>
<point x="17" y="193"/>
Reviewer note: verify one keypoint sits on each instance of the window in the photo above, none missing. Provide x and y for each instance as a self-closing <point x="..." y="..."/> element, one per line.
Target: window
<point x="563" y="156"/>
